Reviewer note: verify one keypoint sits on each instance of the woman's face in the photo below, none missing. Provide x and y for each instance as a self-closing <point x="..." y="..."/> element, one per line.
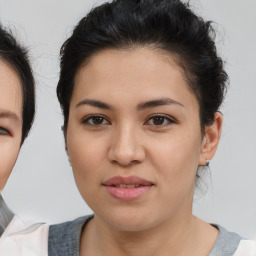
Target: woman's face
<point x="134" y="138"/>
<point x="10" y="120"/>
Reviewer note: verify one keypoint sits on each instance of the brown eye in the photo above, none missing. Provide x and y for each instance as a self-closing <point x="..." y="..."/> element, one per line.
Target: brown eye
<point x="159" y="120"/>
<point x="95" y="121"/>
<point x="3" y="131"/>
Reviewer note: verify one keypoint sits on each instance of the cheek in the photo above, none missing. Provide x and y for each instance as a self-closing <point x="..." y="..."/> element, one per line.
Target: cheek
<point x="8" y="156"/>
<point x="86" y="155"/>
<point x="176" y="165"/>
<point x="177" y="160"/>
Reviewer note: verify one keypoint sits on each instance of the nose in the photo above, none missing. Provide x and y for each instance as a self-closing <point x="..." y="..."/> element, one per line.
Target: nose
<point x="126" y="147"/>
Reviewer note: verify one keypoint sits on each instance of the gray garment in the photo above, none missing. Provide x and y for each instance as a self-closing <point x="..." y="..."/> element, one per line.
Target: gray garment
<point x="64" y="239"/>
<point x="226" y="243"/>
<point x="5" y="215"/>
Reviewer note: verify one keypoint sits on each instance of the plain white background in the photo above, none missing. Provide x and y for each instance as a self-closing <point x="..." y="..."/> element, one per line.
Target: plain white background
<point x="41" y="186"/>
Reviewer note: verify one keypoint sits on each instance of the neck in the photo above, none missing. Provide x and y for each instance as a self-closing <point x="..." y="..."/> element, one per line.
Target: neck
<point x="5" y="215"/>
<point x="177" y="237"/>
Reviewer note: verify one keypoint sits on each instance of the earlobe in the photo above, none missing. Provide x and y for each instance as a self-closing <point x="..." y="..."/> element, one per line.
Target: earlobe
<point x="211" y="139"/>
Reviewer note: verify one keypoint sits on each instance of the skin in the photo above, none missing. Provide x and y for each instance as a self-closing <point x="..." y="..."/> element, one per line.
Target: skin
<point x="160" y="143"/>
<point x="10" y="120"/>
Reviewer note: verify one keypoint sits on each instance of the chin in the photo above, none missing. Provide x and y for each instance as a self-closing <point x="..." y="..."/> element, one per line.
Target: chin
<point x="129" y="220"/>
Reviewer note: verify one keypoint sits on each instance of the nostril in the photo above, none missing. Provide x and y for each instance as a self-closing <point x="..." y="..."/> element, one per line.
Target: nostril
<point x="125" y="163"/>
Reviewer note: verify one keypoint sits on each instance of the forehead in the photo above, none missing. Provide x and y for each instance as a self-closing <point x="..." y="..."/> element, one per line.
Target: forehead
<point x="140" y="72"/>
<point x="10" y="90"/>
<point x="132" y="62"/>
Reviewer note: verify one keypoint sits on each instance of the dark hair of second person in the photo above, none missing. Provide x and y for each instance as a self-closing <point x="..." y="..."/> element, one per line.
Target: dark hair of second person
<point x="16" y="56"/>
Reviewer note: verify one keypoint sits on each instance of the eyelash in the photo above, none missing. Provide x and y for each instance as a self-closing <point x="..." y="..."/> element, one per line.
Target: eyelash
<point x="167" y="120"/>
<point x="4" y="131"/>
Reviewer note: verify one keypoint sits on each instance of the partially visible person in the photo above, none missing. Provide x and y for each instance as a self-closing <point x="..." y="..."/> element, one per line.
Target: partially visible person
<point x="17" y="109"/>
<point x="141" y="86"/>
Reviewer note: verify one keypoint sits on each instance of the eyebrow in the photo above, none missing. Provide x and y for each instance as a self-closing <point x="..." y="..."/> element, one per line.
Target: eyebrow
<point x="94" y="103"/>
<point x="141" y="106"/>
<point x="9" y="115"/>
<point x="157" y="103"/>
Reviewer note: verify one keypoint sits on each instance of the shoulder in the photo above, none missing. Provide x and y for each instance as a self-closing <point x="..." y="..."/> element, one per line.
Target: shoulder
<point x="232" y="244"/>
<point x="20" y="239"/>
<point x="64" y="238"/>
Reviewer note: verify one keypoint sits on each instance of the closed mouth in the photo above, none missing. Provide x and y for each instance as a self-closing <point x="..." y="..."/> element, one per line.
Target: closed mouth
<point x="127" y="182"/>
<point x="128" y="186"/>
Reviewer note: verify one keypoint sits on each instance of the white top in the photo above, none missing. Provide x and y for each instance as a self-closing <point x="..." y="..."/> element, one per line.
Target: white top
<point x="246" y="248"/>
<point x="19" y="239"/>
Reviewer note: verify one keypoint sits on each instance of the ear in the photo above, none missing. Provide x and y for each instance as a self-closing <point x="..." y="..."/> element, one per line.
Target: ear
<point x="211" y="139"/>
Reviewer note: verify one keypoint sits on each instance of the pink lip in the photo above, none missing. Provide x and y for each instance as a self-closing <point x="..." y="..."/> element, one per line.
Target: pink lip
<point x="142" y="187"/>
<point x="130" y="180"/>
